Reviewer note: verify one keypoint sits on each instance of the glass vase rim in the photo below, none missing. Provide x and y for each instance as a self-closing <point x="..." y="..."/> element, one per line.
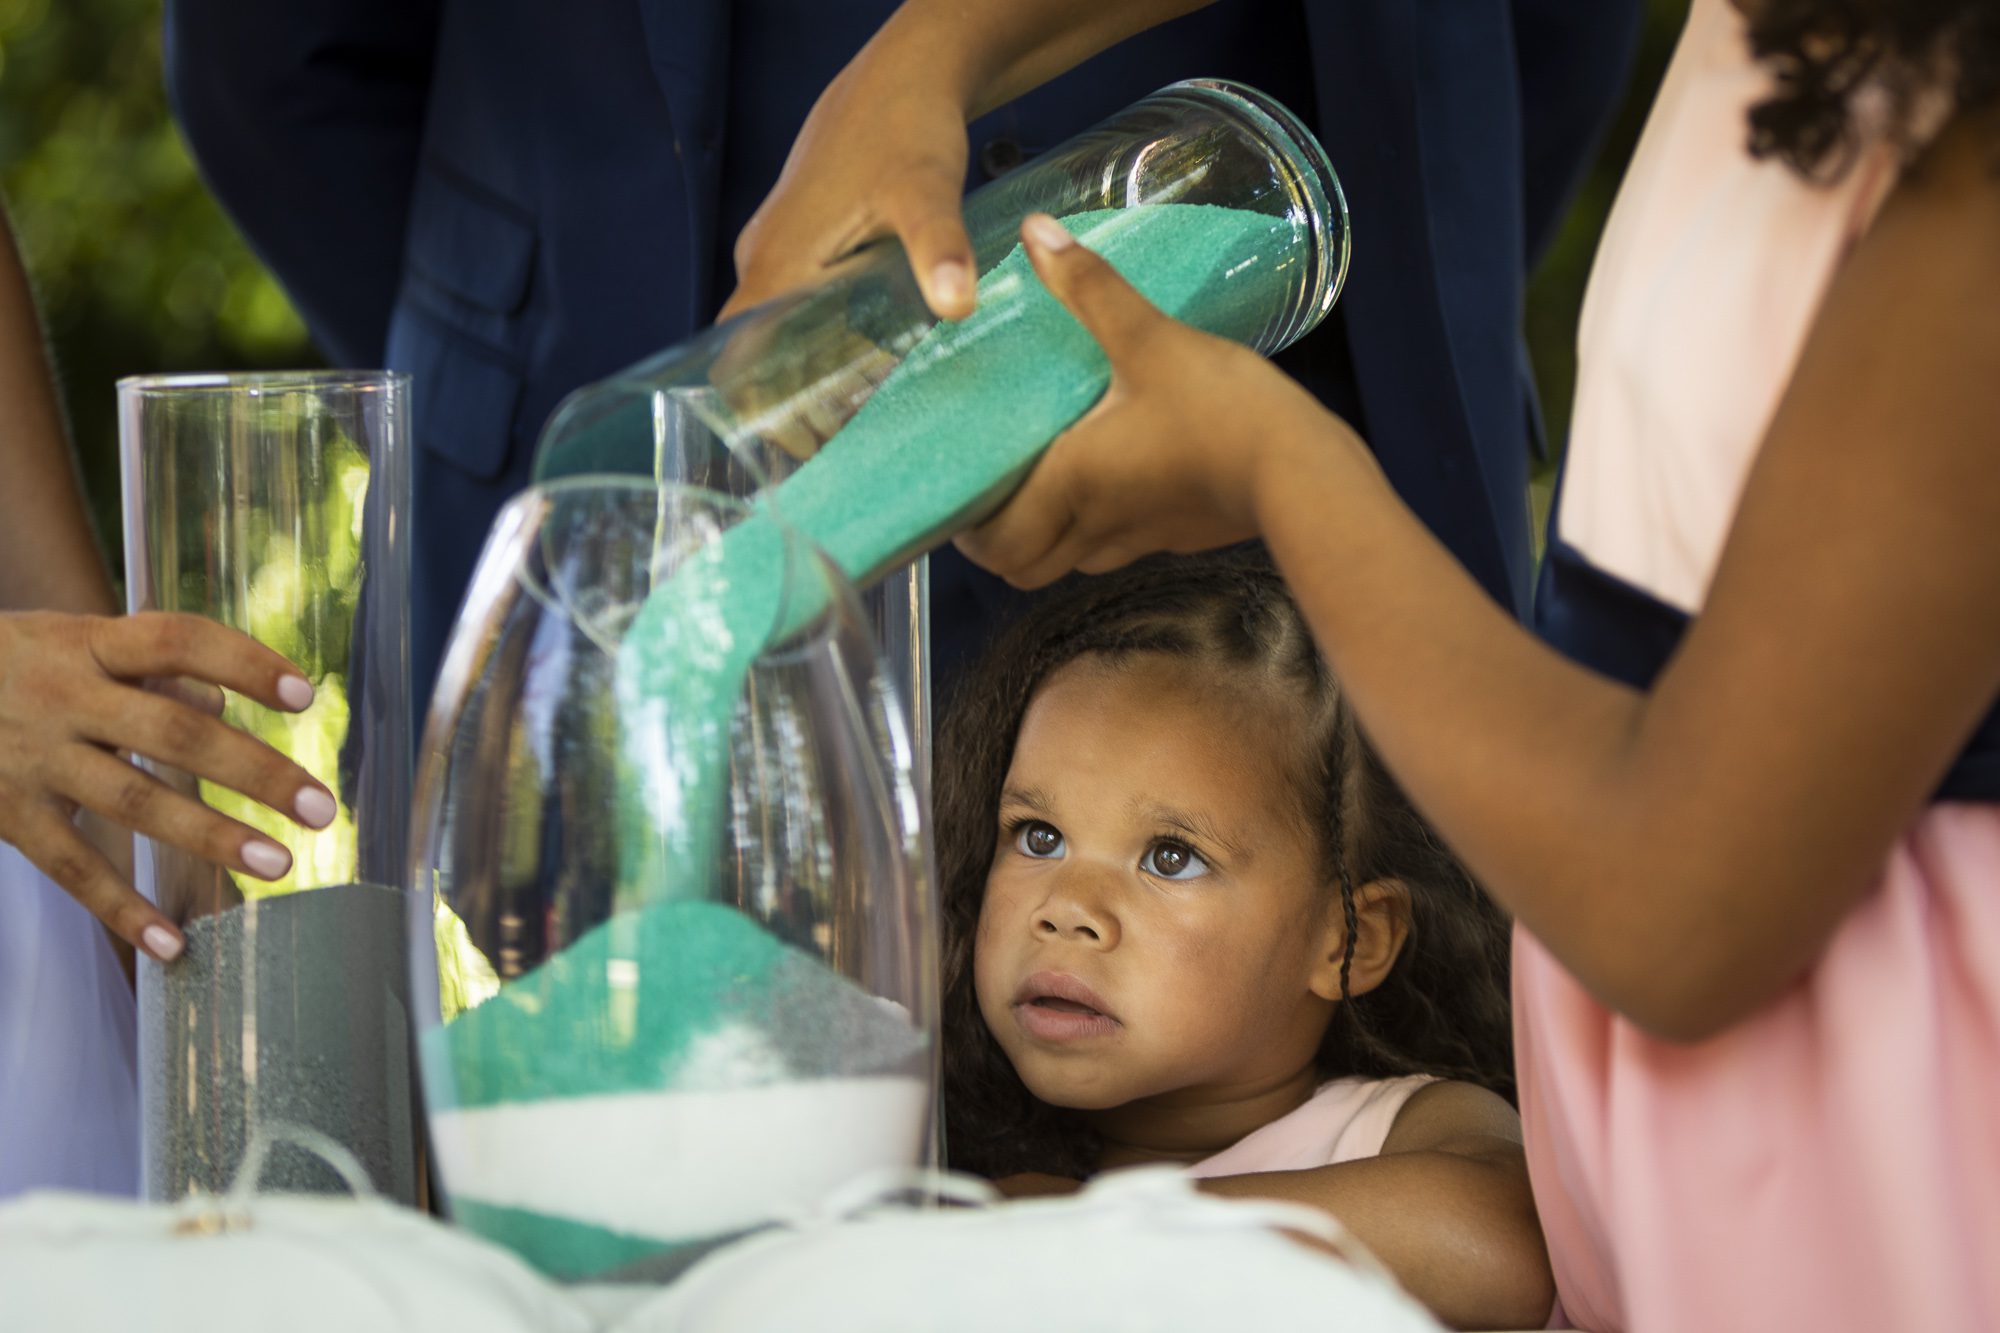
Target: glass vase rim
<point x="636" y="483"/>
<point x="801" y="552"/>
<point x="256" y="382"/>
<point x="1328" y="216"/>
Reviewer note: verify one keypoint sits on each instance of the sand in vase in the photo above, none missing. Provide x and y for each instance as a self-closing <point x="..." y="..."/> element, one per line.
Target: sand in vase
<point x="290" y="1009"/>
<point x="675" y="1075"/>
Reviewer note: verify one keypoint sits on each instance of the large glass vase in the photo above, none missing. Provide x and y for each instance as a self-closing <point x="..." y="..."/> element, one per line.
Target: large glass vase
<point x="678" y="975"/>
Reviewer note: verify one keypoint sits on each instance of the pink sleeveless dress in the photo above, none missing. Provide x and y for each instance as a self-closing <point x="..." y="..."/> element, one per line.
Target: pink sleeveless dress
<point x="1833" y="1162"/>
<point x="1345" y="1120"/>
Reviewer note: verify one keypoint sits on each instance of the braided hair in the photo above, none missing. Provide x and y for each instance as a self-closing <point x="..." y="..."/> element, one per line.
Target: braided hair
<point x="1823" y="54"/>
<point x="1443" y="1008"/>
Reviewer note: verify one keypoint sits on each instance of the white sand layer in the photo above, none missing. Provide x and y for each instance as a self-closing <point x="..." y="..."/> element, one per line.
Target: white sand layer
<point x="680" y="1165"/>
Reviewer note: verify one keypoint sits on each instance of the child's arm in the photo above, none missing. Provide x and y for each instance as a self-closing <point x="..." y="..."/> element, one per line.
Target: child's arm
<point x="1684" y="852"/>
<point x="1446" y="1206"/>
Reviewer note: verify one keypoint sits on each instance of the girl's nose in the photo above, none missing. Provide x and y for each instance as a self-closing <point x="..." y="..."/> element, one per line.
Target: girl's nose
<point x="1075" y="912"/>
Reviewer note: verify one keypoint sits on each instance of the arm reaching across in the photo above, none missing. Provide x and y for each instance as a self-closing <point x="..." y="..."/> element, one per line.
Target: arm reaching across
<point x="884" y="150"/>
<point x="1688" y="850"/>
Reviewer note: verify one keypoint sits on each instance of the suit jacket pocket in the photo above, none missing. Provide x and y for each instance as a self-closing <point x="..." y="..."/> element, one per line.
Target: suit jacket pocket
<point x="465" y="396"/>
<point x="469" y="241"/>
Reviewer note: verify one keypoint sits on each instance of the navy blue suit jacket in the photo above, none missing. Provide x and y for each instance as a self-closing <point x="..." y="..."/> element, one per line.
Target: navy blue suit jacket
<point x="510" y="198"/>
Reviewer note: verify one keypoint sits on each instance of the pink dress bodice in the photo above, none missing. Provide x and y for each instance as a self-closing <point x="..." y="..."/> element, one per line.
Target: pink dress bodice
<point x="1832" y="1162"/>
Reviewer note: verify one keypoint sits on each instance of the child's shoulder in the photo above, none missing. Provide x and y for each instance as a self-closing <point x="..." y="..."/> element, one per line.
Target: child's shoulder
<point x="1345" y="1120"/>
<point x="1447" y="1113"/>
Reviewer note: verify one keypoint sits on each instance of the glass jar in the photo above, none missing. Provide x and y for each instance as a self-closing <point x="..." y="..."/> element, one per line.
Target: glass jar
<point x="278" y="504"/>
<point x="674" y="937"/>
<point x="877" y="432"/>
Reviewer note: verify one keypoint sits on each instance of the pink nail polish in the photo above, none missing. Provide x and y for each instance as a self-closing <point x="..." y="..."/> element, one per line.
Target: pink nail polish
<point x="315" y="808"/>
<point x="160" y="942"/>
<point x="295" y="693"/>
<point x="266" y="860"/>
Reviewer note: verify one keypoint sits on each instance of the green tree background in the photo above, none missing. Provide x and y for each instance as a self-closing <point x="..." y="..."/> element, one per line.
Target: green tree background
<point x="138" y="269"/>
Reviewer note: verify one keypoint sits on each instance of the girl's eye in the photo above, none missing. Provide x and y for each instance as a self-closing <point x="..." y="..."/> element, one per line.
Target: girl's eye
<point x="1173" y="860"/>
<point x="1039" y="840"/>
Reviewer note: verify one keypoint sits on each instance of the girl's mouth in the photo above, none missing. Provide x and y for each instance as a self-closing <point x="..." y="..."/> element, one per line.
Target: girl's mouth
<point x="1056" y="1007"/>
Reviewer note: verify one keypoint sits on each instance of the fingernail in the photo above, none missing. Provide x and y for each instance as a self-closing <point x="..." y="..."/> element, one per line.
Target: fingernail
<point x="295" y="693"/>
<point x="160" y="942"/>
<point x="266" y="860"/>
<point x="1046" y="232"/>
<point x="950" y="282"/>
<point x="315" y="807"/>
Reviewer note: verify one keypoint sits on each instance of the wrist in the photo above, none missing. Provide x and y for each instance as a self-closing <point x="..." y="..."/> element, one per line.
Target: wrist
<point x="1310" y="452"/>
<point x="929" y="52"/>
<point x="78" y="587"/>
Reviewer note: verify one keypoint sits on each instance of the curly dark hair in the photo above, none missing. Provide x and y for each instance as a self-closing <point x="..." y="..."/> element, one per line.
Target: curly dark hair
<point x="1823" y="53"/>
<point x="1442" y="1010"/>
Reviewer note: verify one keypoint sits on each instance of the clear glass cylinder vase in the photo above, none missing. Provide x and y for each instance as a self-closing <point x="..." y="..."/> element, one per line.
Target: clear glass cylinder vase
<point x="878" y="432"/>
<point x="1210" y="195"/>
<point x="672" y="925"/>
<point x="278" y="504"/>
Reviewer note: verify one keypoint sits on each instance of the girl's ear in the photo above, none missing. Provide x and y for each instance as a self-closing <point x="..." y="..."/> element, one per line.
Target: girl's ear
<point x="1381" y="928"/>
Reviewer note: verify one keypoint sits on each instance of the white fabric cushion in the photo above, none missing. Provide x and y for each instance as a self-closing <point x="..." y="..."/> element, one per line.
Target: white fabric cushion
<point x="301" y="1264"/>
<point x="1134" y="1250"/>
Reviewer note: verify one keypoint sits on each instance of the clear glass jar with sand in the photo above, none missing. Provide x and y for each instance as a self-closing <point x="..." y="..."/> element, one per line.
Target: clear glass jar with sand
<point x="877" y="431"/>
<point x="673" y="931"/>
<point x="279" y="504"/>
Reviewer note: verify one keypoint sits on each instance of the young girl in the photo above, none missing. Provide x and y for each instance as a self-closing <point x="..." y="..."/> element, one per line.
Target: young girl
<point x="1743" y="809"/>
<point x="1190" y="919"/>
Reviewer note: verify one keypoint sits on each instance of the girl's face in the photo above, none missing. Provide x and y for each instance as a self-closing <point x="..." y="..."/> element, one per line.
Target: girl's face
<point x="1155" y="924"/>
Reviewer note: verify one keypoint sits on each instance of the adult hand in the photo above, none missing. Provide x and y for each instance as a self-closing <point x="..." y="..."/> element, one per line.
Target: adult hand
<point x="884" y="151"/>
<point x="73" y="692"/>
<point x="1171" y="457"/>
<point x="882" y="154"/>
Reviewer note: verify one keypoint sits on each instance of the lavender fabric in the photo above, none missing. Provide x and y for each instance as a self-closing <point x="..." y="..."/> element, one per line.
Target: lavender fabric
<point x="68" y="1090"/>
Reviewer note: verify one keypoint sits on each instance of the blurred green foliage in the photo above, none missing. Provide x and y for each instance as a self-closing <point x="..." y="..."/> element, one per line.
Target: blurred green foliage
<point x="139" y="270"/>
<point x="295" y="584"/>
<point x="136" y="267"/>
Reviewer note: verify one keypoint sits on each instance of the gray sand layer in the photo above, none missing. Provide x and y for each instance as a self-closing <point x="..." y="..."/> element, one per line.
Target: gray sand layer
<point x="292" y="1009"/>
